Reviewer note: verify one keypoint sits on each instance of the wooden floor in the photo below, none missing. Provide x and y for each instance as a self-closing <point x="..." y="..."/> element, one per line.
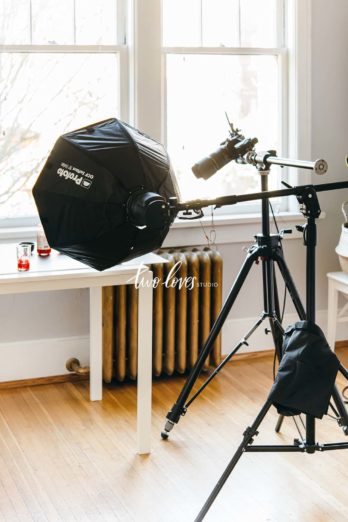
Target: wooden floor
<point x="65" y="458"/>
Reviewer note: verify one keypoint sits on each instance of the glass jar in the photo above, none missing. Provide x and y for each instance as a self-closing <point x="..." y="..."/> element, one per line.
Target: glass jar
<point x="42" y="246"/>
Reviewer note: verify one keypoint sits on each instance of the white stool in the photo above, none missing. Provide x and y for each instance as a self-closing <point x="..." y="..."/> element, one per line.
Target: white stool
<point x="338" y="282"/>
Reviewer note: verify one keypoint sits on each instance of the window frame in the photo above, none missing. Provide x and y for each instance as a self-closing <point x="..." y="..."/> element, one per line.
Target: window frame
<point x="294" y="73"/>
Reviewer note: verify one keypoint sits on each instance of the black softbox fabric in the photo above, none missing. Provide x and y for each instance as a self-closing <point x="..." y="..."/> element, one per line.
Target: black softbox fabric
<point x="82" y="191"/>
<point x="307" y="372"/>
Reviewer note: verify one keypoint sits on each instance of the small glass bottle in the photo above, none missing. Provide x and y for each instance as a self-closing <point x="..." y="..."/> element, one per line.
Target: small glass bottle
<point x="42" y="246"/>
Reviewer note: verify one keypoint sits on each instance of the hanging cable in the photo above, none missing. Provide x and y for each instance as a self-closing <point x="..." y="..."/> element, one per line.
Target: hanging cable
<point x="211" y="237"/>
<point x="285" y="290"/>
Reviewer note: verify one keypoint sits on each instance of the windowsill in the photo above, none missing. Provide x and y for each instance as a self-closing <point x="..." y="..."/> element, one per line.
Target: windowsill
<point x="230" y="228"/>
<point x="233" y="228"/>
<point x="16" y="234"/>
<point x="233" y="219"/>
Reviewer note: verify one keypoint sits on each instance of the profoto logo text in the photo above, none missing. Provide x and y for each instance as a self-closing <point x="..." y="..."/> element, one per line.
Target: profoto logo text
<point x="78" y="176"/>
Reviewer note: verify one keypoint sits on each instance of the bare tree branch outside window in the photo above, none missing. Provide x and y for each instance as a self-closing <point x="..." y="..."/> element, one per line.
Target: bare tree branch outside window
<point x="45" y="93"/>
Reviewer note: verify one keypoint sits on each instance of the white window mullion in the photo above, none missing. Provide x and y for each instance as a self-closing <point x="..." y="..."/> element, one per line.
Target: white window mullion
<point x="74" y="21"/>
<point x="164" y="98"/>
<point x="124" y="12"/>
<point x="281" y="25"/>
<point x="283" y="108"/>
<point x="124" y="90"/>
<point x="31" y="22"/>
<point x="239" y="24"/>
<point x="201" y="22"/>
<point x="299" y="45"/>
<point x="125" y="40"/>
<point x="147" y="66"/>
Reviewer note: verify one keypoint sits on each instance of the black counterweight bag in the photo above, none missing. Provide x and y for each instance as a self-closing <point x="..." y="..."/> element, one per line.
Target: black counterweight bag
<point x="306" y="374"/>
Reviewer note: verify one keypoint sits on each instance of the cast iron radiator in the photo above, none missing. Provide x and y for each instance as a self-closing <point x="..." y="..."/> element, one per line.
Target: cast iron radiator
<point x="184" y="310"/>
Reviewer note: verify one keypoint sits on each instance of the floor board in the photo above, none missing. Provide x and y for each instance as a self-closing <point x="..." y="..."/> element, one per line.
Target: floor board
<point x="63" y="458"/>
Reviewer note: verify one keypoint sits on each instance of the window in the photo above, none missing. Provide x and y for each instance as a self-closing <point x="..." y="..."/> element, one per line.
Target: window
<point x="171" y="68"/>
<point x="223" y="57"/>
<point x="59" y="70"/>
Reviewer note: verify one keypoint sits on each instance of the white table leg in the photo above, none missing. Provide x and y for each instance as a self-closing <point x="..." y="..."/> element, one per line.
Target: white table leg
<point x="332" y="314"/>
<point x="144" y="385"/>
<point x="96" y="344"/>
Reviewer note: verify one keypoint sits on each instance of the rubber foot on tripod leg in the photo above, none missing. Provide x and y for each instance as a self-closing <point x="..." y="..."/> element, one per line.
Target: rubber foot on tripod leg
<point x="169" y="425"/>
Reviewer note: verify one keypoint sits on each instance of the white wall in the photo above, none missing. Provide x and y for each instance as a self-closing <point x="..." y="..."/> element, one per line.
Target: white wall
<point x="58" y="322"/>
<point x="330" y="121"/>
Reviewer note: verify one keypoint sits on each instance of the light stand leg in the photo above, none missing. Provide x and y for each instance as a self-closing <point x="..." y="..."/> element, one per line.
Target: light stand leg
<point x="343" y="370"/>
<point x="275" y="320"/>
<point x="178" y="408"/>
<point x="310" y="433"/>
<point x="273" y="304"/>
<point x="279" y="423"/>
<point x="247" y="439"/>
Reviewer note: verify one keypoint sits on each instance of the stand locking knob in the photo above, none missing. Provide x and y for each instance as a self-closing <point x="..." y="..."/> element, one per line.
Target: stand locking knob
<point x="285" y="231"/>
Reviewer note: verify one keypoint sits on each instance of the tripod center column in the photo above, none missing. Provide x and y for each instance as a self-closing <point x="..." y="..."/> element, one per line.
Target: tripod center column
<point x="265" y="203"/>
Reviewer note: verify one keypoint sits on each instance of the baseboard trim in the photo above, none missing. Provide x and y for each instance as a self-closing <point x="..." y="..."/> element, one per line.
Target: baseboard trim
<point x="341" y="344"/>
<point x="39" y="381"/>
<point x="252" y="355"/>
<point x="41" y="358"/>
<point x="72" y="377"/>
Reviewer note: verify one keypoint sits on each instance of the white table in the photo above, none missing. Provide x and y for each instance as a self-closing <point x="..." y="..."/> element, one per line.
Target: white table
<point x="338" y="282"/>
<point x="58" y="272"/>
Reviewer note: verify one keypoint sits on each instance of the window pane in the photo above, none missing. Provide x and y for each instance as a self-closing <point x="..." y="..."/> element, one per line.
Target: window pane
<point x="14" y="21"/>
<point x="52" y="22"/>
<point x="259" y="23"/>
<point x="220" y="23"/>
<point x="41" y="97"/>
<point x="200" y="88"/>
<point x="181" y="22"/>
<point x="215" y="23"/>
<point x="95" y="22"/>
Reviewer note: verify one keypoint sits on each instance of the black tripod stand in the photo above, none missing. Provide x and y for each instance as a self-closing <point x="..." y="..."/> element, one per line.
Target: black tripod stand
<point x="308" y="444"/>
<point x="268" y="249"/>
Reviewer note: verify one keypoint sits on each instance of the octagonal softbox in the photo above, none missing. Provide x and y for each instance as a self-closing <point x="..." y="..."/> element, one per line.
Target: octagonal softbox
<point x="83" y="190"/>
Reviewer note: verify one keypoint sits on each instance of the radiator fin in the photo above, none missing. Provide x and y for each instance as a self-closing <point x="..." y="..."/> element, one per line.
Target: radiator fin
<point x="158" y="319"/>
